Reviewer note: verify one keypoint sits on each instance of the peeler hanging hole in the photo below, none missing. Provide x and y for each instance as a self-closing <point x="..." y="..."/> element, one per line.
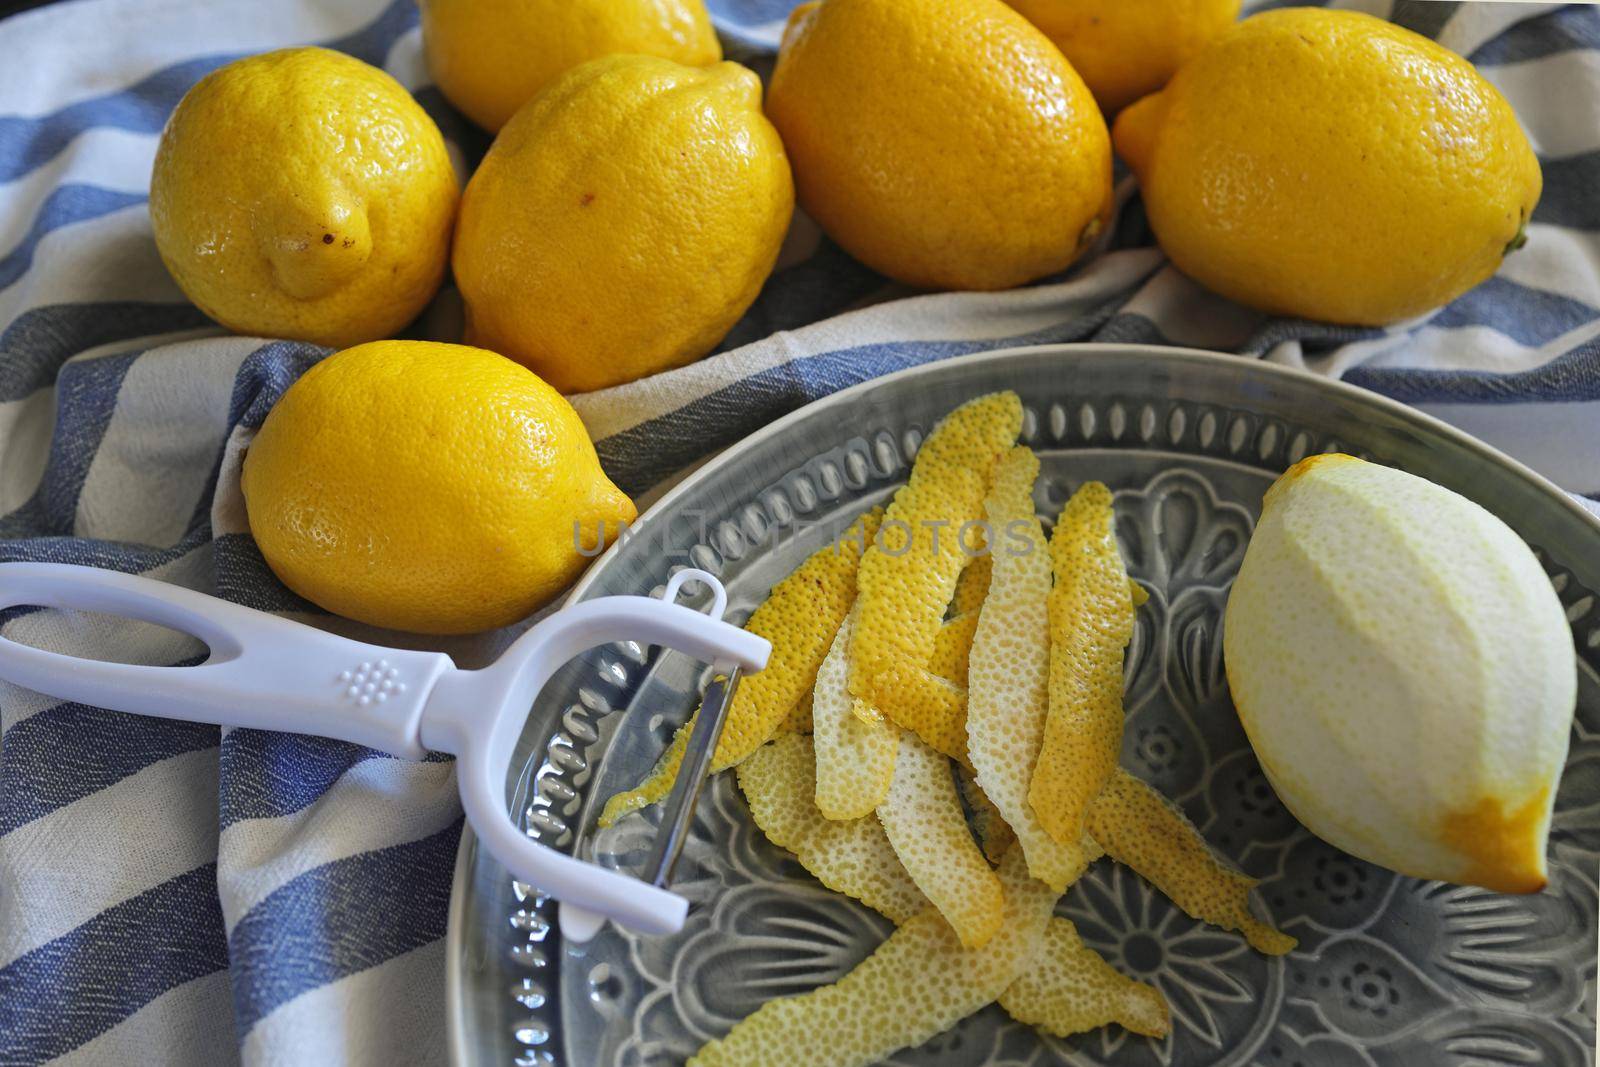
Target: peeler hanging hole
<point x="105" y="636"/>
<point x="719" y="595"/>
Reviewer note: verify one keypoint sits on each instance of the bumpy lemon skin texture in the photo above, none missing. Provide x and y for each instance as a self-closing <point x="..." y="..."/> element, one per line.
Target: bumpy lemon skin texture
<point x="1070" y="989"/>
<point x="852" y="857"/>
<point x="490" y="57"/>
<point x="1330" y="165"/>
<point x="426" y="487"/>
<point x="623" y="221"/>
<point x="917" y="984"/>
<point x="1124" y="50"/>
<point x="304" y="194"/>
<point x="1138" y="826"/>
<point x="855" y="745"/>
<point x="1091" y="622"/>
<point x="945" y="144"/>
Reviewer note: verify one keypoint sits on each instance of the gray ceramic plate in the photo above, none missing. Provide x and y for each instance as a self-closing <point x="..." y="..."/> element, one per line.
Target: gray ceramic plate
<point x="1389" y="971"/>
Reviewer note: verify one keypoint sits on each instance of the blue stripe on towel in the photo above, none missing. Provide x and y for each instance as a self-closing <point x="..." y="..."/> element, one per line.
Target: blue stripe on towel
<point x="86" y="398"/>
<point x="36" y="343"/>
<point x="1317" y="337"/>
<point x="65" y="205"/>
<point x="1426" y="17"/>
<point x="94" y="552"/>
<point x="1130" y="327"/>
<point x="1574" y="377"/>
<point x="1573" y="27"/>
<point x="265" y="375"/>
<point x="1569" y="197"/>
<point x="340" y="919"/>
<point x="1530" y="317"/>
<point x="71" y="751"/>
<point x="267" y="775"/>
<point x="78" y="986"/>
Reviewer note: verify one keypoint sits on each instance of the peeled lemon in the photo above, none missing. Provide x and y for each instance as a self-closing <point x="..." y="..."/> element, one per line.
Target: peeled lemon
<point x="304" y="194"/>
<point x="1405" y="673"/>
<point x="428" y="487"/>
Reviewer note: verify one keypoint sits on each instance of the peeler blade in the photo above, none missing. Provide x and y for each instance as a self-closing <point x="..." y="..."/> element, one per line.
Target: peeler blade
<point x="679" y="809"/>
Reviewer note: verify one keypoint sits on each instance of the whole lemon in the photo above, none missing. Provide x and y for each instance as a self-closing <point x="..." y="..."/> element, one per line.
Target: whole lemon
<point x="623" y="221"/>
<point x="1330" y="165"/>
<point x="428" y="487"/>
<point x="303" y="194"/>
<point x="1125" y="50"/>
<point x="1405" y="672"/>
<point x="945" y="143"/>
<point x="492" y="56"/>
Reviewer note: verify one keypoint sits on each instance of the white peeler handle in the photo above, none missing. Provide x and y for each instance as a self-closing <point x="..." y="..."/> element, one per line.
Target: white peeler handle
<point x="262" y="672"/>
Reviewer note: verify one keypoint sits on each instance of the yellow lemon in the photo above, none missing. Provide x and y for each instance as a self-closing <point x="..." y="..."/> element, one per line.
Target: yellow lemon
<point x="623" y="221"/>
<point x="492" y="56"/>
<point x="428" y="487"/>
<point x="303" y="194"/>
<point x="1124" y="50"/>
<point x="945" y="143"/>
<point x="1405" y="672"/>
<point x="1327" y="164"/>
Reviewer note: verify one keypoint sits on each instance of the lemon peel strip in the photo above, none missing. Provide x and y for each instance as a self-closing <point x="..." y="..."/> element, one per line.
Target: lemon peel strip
<point x="909" y="575"/>
<point x="1069" y="989"/>
<point x="800" y="617"/>
<point x="1008" y="678"/>
<point x="656" y="785"/>
<point x="933" y="708"/>
<point x="1066" y="988"/>
<point x="855" y="752"/>
<point x="1139" y="827"/>
<point x="1091" y="621"/>
<point x="920" y="982"/>
<point x="994" y="835"/>
<point x="853" y="858"/>
<point x="923" y="817"/>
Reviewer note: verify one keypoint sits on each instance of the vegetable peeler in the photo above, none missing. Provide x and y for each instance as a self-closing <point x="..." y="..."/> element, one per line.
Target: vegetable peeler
<point x="269" y="673"/>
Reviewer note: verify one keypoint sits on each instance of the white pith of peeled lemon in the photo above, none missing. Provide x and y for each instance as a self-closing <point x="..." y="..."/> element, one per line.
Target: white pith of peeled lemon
<point x="1405" y="673"/>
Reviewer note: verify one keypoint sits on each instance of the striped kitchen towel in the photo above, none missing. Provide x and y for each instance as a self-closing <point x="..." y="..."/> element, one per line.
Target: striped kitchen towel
<point x="182" y="894"/>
